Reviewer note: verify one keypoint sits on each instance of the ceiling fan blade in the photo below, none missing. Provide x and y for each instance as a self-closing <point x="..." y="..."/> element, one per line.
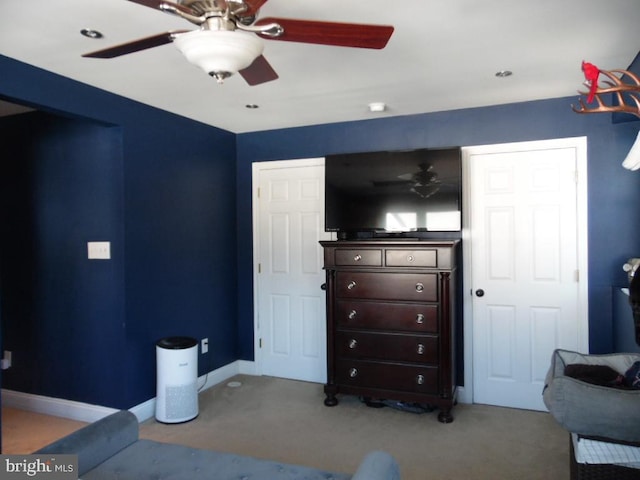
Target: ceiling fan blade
<point x="330" y="33"/>
<point x="157" y="5"/>
<point x="260" y="71"/>
<point x="253" y="6"/>
<point x="135" y="46"/>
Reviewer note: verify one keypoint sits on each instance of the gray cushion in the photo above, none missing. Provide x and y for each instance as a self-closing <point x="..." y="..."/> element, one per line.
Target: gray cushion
<point x="98" y="441"/>
<point x="378" y="465"/>
<point x="147" y="459"/>
<point x="588" y="409"/>
<point x="110" y="449"/>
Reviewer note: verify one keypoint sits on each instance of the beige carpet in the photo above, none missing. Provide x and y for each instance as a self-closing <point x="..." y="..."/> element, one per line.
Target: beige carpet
<point x="287" y="421"/>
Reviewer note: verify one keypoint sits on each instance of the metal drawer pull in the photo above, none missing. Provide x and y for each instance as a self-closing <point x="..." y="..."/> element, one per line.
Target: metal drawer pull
<point x="353" y="372"/>
<point x="420" y="318"/>
<point x="410" y="258"/>
<point x="420" y="379"/>
<point x="420" y="349"/>
<point x="357" y="258"/>
<point x="419" y="287"/>
<point x="352" y="314"/>
<point x="353" y="343"/>
<point x="351" y="285"/>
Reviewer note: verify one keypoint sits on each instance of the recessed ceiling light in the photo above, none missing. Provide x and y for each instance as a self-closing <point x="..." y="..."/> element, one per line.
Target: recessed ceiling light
<point x="91" y="33"/>
<point x="377" y="107"/>
<point x="504" y="73"/>
<point x="252" y="106"/>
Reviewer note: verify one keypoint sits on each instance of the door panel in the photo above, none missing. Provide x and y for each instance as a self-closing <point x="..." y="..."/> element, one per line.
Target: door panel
<point x="290" y="306"/>
<point x="524" y="248"/>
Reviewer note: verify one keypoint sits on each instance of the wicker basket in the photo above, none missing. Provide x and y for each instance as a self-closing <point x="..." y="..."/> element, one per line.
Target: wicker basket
<point x="585" y="471"/>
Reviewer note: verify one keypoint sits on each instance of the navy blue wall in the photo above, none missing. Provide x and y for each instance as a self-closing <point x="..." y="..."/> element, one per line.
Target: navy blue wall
<point x="161" y="189"/>
<point x="178" y="200"/>
<point x="614" y="193"/>
<point x="61" y="186"/>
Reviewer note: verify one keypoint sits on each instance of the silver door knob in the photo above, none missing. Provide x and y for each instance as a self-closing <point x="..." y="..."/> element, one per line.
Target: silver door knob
<point x="479" y="293"/>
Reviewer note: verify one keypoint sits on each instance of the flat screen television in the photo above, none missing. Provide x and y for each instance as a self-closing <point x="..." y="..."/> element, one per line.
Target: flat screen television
<point x="393" y="192"/>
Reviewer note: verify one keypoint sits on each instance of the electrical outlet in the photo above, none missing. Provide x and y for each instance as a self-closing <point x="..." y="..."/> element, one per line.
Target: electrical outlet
<point x="99" y="250"/>
<point x="5" y="363"/>
<point x="204" y="345"/>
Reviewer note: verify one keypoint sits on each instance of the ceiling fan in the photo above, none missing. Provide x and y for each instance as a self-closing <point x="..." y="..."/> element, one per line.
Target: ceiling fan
<point x="227" y="40"/>
<point x="424" y="182"/>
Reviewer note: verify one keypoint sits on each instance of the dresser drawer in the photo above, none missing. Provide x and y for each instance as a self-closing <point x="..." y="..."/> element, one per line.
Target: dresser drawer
<point x="393" y="347"/>
<point x="410" y="317"/>
<point x="411" y="258"/>
<point x="358" y="257"/>
<point x="416" y="287"/>
<point x="389" y="376"/>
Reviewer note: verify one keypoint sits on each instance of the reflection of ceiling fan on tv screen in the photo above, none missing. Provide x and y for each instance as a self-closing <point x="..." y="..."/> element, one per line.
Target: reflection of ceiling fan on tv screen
<point x="228" y="38"/>
<point x="424" y="182"/>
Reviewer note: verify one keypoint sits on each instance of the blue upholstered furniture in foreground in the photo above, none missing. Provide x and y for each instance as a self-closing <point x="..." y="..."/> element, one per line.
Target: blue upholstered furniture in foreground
<point x="110" y="449"/>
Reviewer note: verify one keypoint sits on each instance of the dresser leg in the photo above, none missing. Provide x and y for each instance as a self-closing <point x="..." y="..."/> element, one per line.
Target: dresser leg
<point x="330" y="391"/>
<point x="331" y="400"/>
<point x="445" y="416"/>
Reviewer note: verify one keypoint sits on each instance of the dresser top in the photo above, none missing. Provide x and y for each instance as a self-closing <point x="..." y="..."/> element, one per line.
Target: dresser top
<point x="383" y="242"/>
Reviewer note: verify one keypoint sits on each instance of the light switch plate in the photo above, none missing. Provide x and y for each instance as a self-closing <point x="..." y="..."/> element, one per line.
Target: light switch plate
<point x="99" y="250"/>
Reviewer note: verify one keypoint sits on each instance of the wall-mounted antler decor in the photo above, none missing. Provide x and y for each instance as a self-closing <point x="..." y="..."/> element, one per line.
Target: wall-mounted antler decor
<point x="626" y="94"/>
<point x="624" y="90"/>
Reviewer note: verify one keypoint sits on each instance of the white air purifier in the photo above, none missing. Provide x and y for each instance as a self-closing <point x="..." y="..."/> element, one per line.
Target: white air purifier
<point x="177" y="379"/>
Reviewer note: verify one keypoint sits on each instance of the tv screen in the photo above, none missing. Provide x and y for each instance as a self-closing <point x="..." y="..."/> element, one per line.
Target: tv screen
<point x="394" y="191"/>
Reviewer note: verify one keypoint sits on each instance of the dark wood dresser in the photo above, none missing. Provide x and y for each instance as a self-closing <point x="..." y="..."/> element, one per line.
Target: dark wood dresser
<point x="390" y="321"/>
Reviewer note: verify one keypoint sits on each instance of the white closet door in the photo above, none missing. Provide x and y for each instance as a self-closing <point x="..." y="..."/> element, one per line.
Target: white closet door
<point x="291" y="312"/>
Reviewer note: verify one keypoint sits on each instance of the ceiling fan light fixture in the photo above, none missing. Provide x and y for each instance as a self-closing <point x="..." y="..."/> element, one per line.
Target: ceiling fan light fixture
<point x="220" y="53"/>
<point x="425" y="191"/>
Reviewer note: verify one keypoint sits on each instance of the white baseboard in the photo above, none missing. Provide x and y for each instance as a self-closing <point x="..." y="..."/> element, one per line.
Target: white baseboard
<point x="464" y="395"/>
<point x="219" y="375"/>
<point x="86" y="412"/>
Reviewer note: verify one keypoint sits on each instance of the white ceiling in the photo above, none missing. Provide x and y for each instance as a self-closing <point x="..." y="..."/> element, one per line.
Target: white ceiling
<point x="443" y="55"/>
